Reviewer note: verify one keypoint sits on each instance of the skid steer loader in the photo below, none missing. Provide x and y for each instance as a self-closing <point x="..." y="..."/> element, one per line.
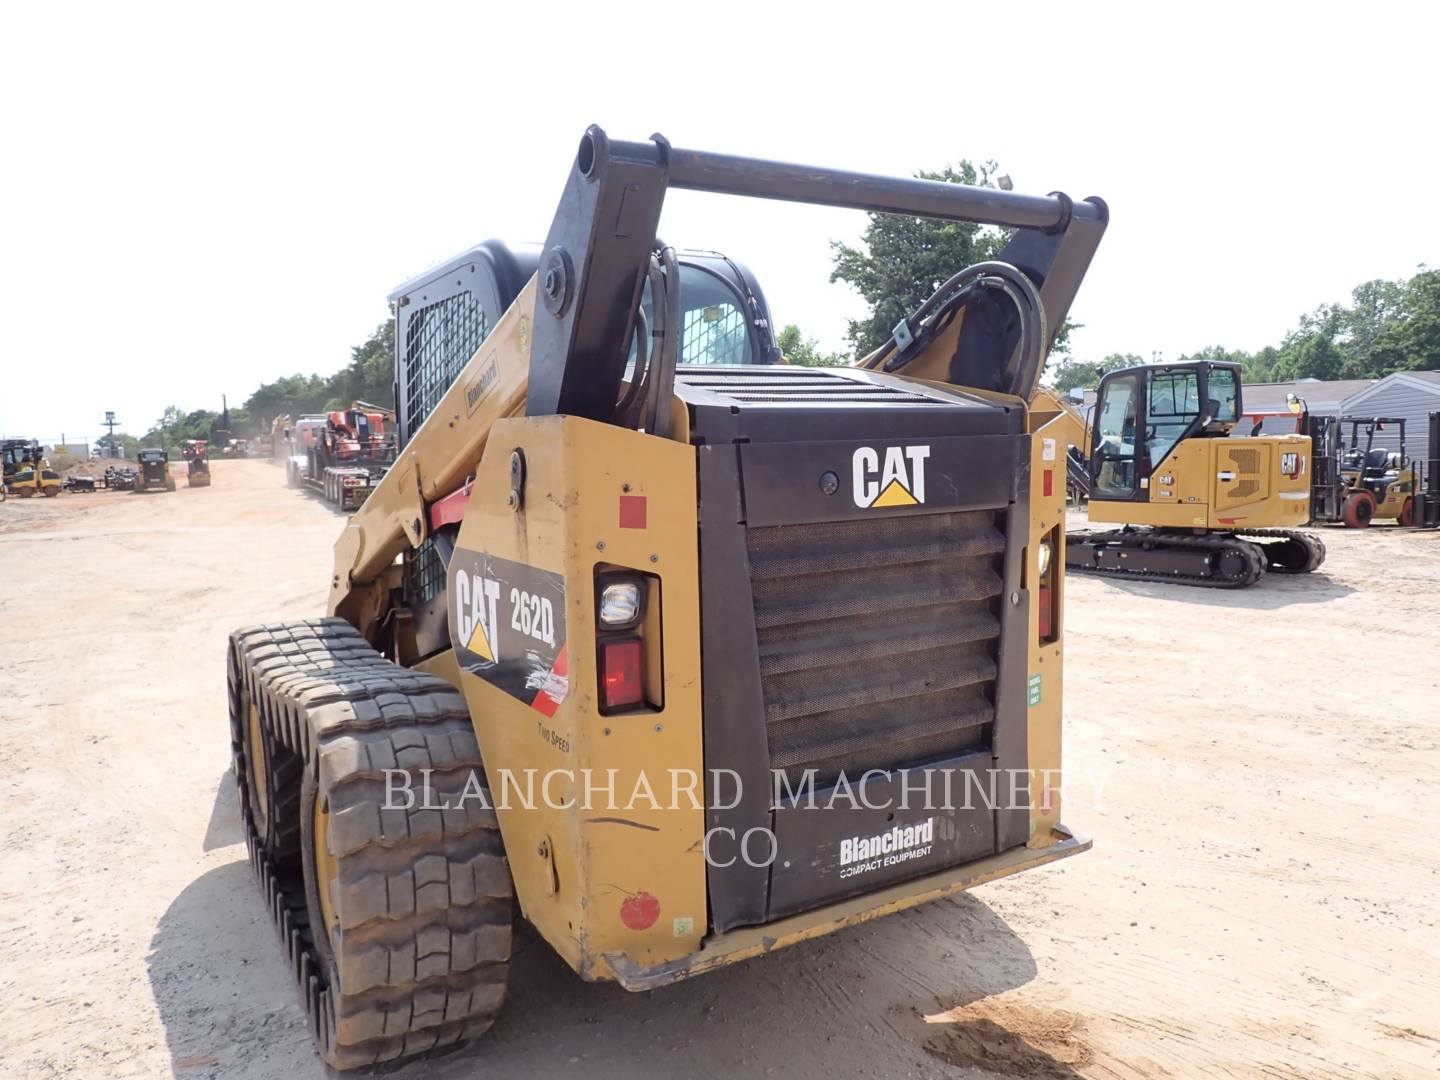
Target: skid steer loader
<point x="152" y="471"/>
<point x="681" y="662"/>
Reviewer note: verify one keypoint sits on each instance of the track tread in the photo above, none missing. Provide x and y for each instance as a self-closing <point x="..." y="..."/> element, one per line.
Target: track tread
<point x="1254" y="557"/>
<point x="424" y="902"/>
<point x="1314" y="549"/>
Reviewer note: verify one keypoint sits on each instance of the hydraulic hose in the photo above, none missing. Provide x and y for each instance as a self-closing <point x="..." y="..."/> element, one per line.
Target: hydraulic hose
<point x="661" y="382"/>
<point x="642" y="364"/>
<point x="914" y="333"/>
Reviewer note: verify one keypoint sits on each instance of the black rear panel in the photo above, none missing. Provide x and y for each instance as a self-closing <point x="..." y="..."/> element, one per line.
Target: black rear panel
<point x="869" y="516"/>
<point x="877" y="639"/>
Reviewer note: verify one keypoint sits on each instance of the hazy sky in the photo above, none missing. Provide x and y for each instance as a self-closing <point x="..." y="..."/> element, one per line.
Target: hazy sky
<point x="198" y="198"/>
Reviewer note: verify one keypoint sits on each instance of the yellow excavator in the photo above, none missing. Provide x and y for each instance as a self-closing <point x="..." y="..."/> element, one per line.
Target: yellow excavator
<point x="1196" y="504"/>
<point x="610" y="643"/>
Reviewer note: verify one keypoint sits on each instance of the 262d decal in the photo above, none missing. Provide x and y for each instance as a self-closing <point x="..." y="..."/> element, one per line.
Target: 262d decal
<point x="507" y="622"/>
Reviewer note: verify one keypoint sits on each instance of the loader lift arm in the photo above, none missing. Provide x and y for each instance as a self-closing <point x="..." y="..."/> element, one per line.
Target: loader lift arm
<point x="574" y="321"/>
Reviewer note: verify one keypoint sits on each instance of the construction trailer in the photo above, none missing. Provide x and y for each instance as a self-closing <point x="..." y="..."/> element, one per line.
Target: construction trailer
<point x="343" y="454"/>
<point x="642" y="569"/>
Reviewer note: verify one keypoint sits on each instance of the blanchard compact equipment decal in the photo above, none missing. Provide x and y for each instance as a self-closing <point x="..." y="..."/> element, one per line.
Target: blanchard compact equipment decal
<point x="889" y="476"/>
<point x="507" y="622"/>
<point x="901" y="844"/>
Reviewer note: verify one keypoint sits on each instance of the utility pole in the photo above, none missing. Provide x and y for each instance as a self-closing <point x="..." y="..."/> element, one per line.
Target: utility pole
<point x="112" y="424"/>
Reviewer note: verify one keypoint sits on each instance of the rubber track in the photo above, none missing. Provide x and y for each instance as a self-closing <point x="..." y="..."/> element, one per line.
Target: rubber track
<point x="1255" y="560"/>
<point x="1313" y="545"/>
<point x="424" y="899"/>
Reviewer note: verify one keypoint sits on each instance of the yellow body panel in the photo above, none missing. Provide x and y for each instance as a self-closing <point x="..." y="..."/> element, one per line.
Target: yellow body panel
<point x="1047" y="406"/>
<point x="1222" y="484"/>
<point x="574" y="868"/>
<point x="1048" y="440"/>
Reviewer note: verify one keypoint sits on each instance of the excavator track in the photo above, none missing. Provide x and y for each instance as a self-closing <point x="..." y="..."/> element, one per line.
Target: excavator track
<point x="415" y="961"/>
<point x="1287" y="551"/>
<point x="1209" y="561"/>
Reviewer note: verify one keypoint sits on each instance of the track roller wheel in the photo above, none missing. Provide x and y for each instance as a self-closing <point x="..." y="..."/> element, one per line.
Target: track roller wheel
<point x="1358" y="510"/>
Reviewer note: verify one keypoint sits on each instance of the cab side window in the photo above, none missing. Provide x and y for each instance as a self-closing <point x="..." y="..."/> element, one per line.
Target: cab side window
<point x="1114" y="456"/>
<point x="1223" y="395"/>
<point x="713" y="324"/>
<point x="1173" y="406"/>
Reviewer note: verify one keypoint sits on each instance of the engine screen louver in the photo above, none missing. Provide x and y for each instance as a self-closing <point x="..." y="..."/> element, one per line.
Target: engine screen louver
<point x="878" y="639"/>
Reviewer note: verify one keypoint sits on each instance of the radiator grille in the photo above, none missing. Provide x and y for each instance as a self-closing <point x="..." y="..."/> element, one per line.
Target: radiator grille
<point x="439" y="341"/>
<point x="878" y="639"/>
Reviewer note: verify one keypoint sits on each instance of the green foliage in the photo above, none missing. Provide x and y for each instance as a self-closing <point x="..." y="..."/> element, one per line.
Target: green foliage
<point x="1070" y="373"/>
<point x="368" y="377"/>
<point x="175" y="426"/>
<point x="902" y="260"/>
<point x="1387" y="326"/>
<point x="805" y="351"/>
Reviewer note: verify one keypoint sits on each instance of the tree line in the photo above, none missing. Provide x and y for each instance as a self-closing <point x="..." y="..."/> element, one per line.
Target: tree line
<point x="367" y="377"/>
<point x="1386" y="326"/>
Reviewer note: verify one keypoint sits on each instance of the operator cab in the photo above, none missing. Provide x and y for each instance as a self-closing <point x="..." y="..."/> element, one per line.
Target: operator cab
<point x="444" y="314"/>
<point x="1143" y="413"/>
<point x="723" y="315"/>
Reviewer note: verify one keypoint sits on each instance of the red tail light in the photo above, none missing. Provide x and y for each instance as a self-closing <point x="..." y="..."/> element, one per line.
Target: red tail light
<point x="1047" y="613"/>
<point x="622" y="673"/>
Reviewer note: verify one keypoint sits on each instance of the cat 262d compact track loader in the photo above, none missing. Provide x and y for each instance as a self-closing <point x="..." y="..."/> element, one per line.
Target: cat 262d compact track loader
<point x="615" y="637"/>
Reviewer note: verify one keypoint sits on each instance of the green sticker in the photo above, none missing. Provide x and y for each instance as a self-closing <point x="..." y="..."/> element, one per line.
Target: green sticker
<point x="1034" y="688"/>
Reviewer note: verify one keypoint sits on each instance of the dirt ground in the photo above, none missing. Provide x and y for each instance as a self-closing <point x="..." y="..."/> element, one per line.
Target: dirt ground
<point x="1254" y="769"/>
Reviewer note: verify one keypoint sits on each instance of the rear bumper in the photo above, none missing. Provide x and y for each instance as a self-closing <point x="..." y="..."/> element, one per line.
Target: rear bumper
<point x="737" y="945"/>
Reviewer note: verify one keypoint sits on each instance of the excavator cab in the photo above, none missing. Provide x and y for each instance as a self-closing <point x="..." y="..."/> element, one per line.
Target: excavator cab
<point x="1144" y="413"/>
